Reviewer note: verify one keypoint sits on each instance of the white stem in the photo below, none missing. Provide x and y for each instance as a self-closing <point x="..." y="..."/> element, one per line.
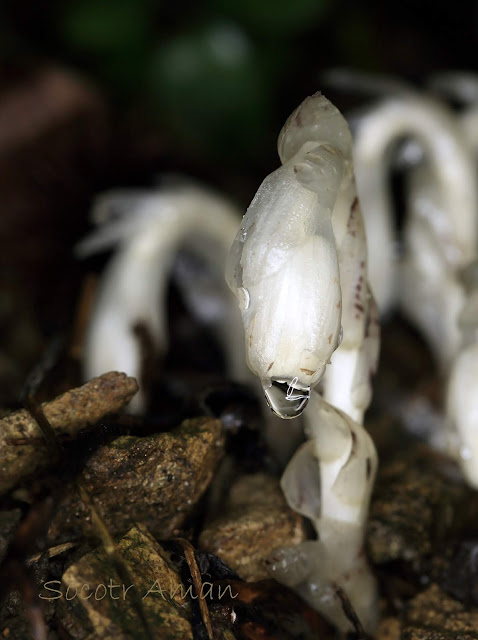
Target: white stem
<point x="462" y="411"/>
<point x="449" y="159"/>
<point x="329" y="480"/>
<point x="431" y="293"/>
<point x="150" y="228"/>
<point x="440" y="237"/>
<point x="469" y="122"/>
<point x="460" y="85"/>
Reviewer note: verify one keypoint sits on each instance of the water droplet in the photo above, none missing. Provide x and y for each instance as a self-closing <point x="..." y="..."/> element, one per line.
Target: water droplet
<point x="244" y="298"/>
<point x="286" y="396"/>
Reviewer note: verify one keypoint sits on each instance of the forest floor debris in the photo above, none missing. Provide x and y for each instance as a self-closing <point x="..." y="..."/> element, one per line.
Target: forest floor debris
<point x="23" y="451"/>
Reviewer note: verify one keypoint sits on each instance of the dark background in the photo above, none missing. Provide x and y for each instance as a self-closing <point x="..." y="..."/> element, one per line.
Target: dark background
<point x="149" y="87"/>
<point x="219" y="77"/>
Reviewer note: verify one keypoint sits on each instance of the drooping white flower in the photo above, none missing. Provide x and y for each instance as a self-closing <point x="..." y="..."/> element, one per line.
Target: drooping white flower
<point x="298" y="268"/>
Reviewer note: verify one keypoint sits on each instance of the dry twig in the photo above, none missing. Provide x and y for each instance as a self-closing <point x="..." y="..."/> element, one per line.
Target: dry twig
<point x="197" y="581"/>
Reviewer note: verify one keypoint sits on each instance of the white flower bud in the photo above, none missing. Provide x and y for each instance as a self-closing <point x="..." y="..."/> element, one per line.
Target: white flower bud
<point x="294" y="247"/>
<point x="284" y="270"/>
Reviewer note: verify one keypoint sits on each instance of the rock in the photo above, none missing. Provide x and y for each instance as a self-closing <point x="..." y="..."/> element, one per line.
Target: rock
<point x="457" y="572"/>
<point x="256" y="521"/>
<point x="420" y="501"/>
<point x="432" y="615"/>
<point x="67" y="414"/>
<point x="14" y="621"/>
<point x="388" y="629"/>
<point x="97" y="602"/>
<point x="155" y="480"/>
<point x="170" y="602"/>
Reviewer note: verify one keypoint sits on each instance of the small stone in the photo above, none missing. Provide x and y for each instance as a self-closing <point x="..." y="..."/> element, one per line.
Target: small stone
<point x="420" y="500"/>
<point x="155" y="480"/>
<point x="255" y="522"/>
<point x="433" y="615"/>
<point x="96" y="601"/>
<point x="457" y="572"/>
<point x="67" y="414"/>
<point x="388" y="629"/>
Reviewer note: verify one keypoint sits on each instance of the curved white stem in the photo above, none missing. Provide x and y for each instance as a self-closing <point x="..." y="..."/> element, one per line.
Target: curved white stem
<point x="462" y="391"/>
<point x="440" y="237"/>
<point x="461" y="86"/>
<point x="448" y="158"/>
<point x="149" y="229"/>
<point x="330" y="480"/>
<point x="462" y="412"/>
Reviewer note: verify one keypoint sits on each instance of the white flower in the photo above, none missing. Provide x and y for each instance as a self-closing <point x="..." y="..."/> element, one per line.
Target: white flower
<point x="297" y="259"/>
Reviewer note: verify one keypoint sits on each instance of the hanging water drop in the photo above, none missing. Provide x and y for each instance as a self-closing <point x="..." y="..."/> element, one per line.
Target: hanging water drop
<point x="286" y="396"/>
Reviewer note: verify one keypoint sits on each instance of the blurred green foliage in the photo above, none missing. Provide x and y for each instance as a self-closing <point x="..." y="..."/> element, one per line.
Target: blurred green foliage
<point x="103" y="26"/>
<point x="211" y="77"/>
<point x="113" y="36"/>
<point x="274" y="18"/>
<point x="211" y="86"/>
